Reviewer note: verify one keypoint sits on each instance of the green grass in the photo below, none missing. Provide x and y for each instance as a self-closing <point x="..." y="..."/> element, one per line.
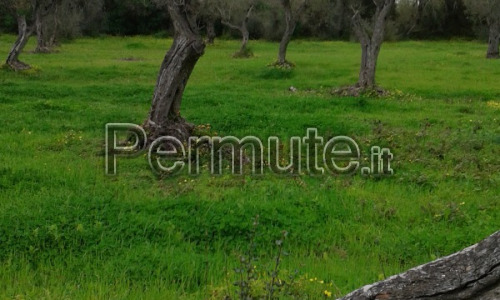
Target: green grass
<point x="69" y="231"/>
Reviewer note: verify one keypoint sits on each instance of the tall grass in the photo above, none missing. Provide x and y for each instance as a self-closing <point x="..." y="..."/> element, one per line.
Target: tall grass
<point x="68" y="231"/>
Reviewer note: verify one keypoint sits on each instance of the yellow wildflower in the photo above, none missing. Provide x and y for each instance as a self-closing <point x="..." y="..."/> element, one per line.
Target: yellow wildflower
<point x="493" y="104"/>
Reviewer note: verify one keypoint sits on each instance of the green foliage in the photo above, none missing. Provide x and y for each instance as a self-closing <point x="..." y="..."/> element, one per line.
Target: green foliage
<point x="67" y="231"/>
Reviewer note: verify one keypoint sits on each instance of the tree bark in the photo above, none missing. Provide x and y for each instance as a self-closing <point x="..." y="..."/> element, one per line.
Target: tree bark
<point x="371" y="42"/>
<point x="473" y="273"/>
<point x="493" y="39"/>
<point x="369" y="57"/>
<point x="23" y="36"/>
<point x="188" y="46"/>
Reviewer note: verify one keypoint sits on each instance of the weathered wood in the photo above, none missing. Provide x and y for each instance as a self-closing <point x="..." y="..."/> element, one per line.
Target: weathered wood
<point x="473" y="273"/>
<point x="188" y="46"/>
<point x="371" y="41"/>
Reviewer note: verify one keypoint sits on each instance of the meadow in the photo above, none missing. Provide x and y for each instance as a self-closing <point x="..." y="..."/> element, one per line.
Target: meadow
<point x="68" y="231"/>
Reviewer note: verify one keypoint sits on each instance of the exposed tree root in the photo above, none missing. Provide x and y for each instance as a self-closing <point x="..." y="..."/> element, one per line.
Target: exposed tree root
<point x="286" y="65"/>
<point x="18" y="65"/>
<point x="180" y="129"/>
<point x="357" y="91"/>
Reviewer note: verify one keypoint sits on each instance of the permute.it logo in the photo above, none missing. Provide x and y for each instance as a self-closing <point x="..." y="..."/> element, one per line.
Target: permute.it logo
<point x="308" y="155"/>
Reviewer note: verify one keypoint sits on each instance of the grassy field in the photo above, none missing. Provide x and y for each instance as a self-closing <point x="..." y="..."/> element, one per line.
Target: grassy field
<point x="67" y="231"/>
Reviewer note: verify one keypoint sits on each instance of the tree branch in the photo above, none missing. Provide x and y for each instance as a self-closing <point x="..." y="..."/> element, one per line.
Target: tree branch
<point x="380" y="18"/>
<point x="360" y="32"/>
<point x="473" y="273"/>
<point x="249" y="13"/>
<point x="230" y="25"/>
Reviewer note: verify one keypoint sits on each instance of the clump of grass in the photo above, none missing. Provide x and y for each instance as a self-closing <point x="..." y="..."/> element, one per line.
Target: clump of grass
<point x="256" y="281"/>
<point x="244" y="53"/>
<point x="287" y="65"/>
<point x="356" y="91"/>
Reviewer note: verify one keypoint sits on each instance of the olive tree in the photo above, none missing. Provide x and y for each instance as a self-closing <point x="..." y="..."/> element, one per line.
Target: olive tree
<point x="370" y="31"/>
<point x="235" y="15"/>
<point x="59" y="18"/>
<point x="24" y="10"/>
<point x="292" y="11"/>
<point x="188" y="46"/>
<point x="487" y="11"/>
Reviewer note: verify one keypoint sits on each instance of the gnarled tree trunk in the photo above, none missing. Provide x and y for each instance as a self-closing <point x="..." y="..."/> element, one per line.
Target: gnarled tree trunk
<point x="493" y="39"/>
<point x="371" y="42"/>
<point x="245" y="34"/>
<point x="473" y="273"/>
<point x="188" y="46"/>
<point x="290" y="25"/>
<point x="23" y="36"/>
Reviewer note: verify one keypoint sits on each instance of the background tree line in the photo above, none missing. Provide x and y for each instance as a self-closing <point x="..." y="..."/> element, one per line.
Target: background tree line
<point x="321" y="19"/>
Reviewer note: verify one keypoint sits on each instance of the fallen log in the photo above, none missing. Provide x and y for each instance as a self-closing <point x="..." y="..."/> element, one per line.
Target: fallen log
<point x="473" y="273"/>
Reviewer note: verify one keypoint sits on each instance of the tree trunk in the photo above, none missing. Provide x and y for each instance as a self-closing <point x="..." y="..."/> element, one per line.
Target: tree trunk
<point x="245" y="38"/>
<point x="494" y="39"/>
<point x="369" y="57"/>
<point x="473" y="273"/>
<point x="22" y="38"/>
<point x="290" y="24"/>
<point x="41" y="46"/>
<point x="210" y="31"/>
<point x="188" y="46"/>
<point x="371" y="43"/>
<point x="55" y="32"/>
